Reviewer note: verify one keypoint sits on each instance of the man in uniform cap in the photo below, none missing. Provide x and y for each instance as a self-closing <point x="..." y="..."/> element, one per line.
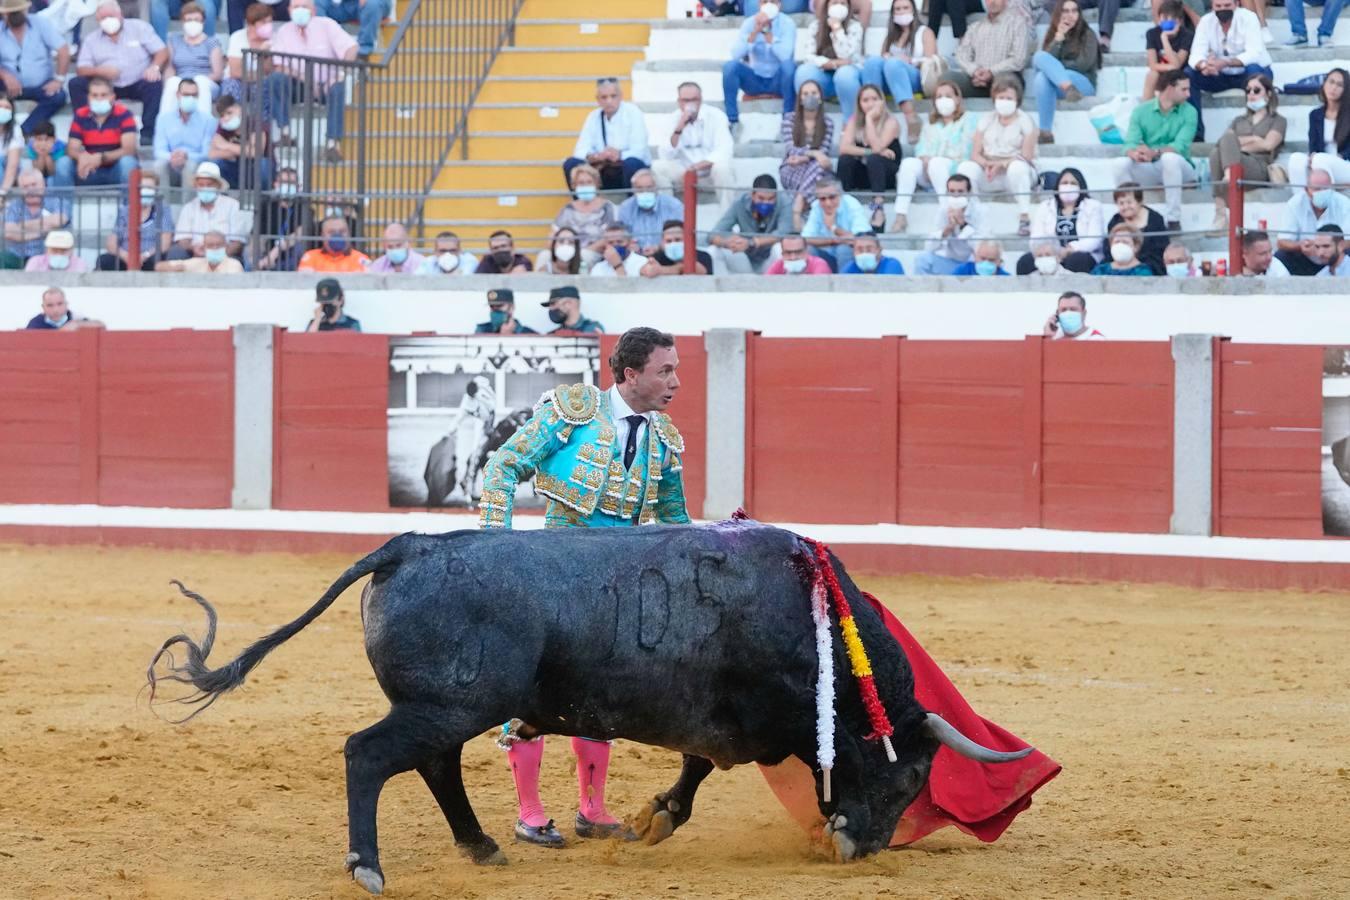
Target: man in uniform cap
<point x="564" y="310"/>
<point x="501" y="315"/>
<point x="328" y="314"/>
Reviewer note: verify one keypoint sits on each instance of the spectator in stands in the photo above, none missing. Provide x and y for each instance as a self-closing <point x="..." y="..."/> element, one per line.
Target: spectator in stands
<point x="1258" y="256"/>
<point x="1328" y="134"/>
<point x="285" y="221"/>
<point x="618" y="257"/>
<point x="399" y="257"/>
<point x="1158" y="142"/>
<point x="947" y="139"/>
<point x="1003" y="157"/>
<point x="1069" y="321"/>
<point x="1124" y="246"/>
<point x="156" y="230"/>
<point x="669" y="257"/>
<point x="646" y="211"/>
<point x="999" y="44"/>
<point x="254" y="33"/>
<point x="450" y="258"/>
<point x="502" y="315"/>
<point x="987" y="260"/>
<point x="834" y="60"/>
<point x="762" y="60"/>
<point x="370" y="13"/>
<point x="1177" y="260"/>
<point x="56" y="314"/>
<point x="11" y="145"/>
<point x="210" y="210"/>
<point x="869" y="260"/>
<point x="1061" y="219"/>
<point x="308" y="35"/>
<point x="102" y="146"/>
<point x="1331" y="11"/>
<point x="44" y="150"/>
<point x="1043" y="257"/>
<point x="1252" y="140"/>
<point x="336" y="254"/>
<point x="1227" y="50"/>
<point x="613" y="140"/>
<point x="127" y="55"/>
<point x="502" y="258"/>
<point x="962" y="221"/>
<point x="564" y="310"/>
<point x="563" y="256"/>
<point x="328" y="310"/>
<point x="1130" y="209"/>
<point x="58" y="255"/>
<point x="1329" y="250"/>
<point x="29" y="218"/>
<point x="908" y="56"/>
<point x="869" y="151"/>
<point x="835" y="218"/>
<point x="807" y="135"/>
<point x="796" y="259"/>
<point x="207" y="11"/>
<point x="700" y="139"/>
<point x="195" y="53"/>
<point x="1306" y="212"/>
<point x="744" y="238"/>
<point x="183" y="138"/>
<point x="1168" y="44"/>
<point x="589" y="213"/>
<point x="1066" y="65"/>
<point x="34" y="60"/>
<point x="231" y="149"/>
<point x="213" y="260"/>
<point x="1107" y="13"/>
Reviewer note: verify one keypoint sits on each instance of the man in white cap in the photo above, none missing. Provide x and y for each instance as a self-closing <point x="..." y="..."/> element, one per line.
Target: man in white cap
<point x="210" y="210"/>
<point x="59" y="256"/>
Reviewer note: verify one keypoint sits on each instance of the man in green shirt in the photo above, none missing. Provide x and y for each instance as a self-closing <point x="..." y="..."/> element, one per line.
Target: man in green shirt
<point x="1158" y="143"/>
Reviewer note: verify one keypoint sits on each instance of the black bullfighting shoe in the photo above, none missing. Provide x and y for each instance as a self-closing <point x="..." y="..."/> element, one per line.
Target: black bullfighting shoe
<point x="545" y="835"/>
<point x="618" y="831"/>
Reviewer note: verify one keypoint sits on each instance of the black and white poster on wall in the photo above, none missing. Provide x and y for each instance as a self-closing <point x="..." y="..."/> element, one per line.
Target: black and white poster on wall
<point x="454" y="400"/>
<point x="1336" y="441"/>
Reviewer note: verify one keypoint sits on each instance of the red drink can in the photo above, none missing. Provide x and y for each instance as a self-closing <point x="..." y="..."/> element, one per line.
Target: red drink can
<point x="1221" y="267"/>
<point x="1262" y="223"/>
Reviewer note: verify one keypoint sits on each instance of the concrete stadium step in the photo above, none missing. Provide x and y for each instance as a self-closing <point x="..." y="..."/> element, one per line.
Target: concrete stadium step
<point x="533" y="89"/>
<point x="553" y="62"/>
<point x="522" y="145"/>
<point x="567" y="9"/>
<point x="499" y="175"/>
<point x="529" y="116"/>
<point x="582" y="33"/>
<point x="531" y="206"/>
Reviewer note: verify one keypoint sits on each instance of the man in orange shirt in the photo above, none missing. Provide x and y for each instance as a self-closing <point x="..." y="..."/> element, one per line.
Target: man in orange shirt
<point x="336" y="254"/>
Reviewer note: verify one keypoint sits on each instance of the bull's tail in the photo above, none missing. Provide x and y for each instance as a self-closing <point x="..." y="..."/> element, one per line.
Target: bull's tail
<point x="207" y="683"/>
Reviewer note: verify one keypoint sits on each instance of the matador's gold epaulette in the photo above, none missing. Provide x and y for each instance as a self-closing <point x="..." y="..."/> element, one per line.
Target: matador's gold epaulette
<point x="576" y="404"/>
<point x="668" y="433"/>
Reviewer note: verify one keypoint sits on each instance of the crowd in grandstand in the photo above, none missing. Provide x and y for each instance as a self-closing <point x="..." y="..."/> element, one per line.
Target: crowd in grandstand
<point x="825" y="211"/>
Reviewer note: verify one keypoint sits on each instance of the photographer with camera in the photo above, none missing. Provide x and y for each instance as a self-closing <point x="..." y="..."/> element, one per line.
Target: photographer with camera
<point x="328" y="314"/>
<point x="1069" y="322"/>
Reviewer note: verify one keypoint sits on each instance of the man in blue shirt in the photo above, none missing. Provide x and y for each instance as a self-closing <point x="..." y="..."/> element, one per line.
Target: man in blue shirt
<point x="761" y="60"/>
<point x="183" y="137"/>
<point x="647" y="211"/>
<point x="836" y="218"/>
<point x="868" y="260"/>
<point x="26" y="70"/>
<point x="613" y="139"/>
<point x="988" y="260"/>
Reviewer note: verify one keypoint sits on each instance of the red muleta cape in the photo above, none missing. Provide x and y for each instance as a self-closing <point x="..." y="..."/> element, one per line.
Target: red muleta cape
<point x="979" y="798"/>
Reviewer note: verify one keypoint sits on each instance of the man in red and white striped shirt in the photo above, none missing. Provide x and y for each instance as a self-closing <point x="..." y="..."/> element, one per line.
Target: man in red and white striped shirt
<point x="1069" y="322"/>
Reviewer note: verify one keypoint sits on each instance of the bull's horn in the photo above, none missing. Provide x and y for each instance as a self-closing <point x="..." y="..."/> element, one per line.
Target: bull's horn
<point x="945" y="732"/>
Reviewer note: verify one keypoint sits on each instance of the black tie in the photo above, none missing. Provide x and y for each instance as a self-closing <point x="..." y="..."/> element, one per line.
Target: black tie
<point x="630" y="448"/>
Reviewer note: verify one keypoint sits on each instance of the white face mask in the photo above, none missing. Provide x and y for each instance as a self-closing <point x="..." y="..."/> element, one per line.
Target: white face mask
<point x="903" y="19"/>
<point x="957" y="201"/>
<point x="110" y="24"/>
<point x="564" y="252"/>
<point x="448" y="261"/>
<point x="945" y="105"/>
<point x="770" y="10"/>
<point x="193" y="28"/>
<point x="1005" y="106"/>
<point x="1047" y="265"/>
<point x="1122" y="253"/>
<point x="1179" y="270"/>
<point x="1069" y="195"/>
<point x="838" y="12"/>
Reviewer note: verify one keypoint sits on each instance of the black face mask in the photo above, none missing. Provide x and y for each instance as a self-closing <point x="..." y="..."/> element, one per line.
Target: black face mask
<point x="503" y="258"/>
<point x="1224" y="15"/>
<point x="17" y="19"/>
<point x="557" y="316"/>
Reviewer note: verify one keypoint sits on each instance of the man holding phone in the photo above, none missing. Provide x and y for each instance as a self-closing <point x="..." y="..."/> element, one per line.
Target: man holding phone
<point x="1069" y="321"/>
<point x="328" y="314"/>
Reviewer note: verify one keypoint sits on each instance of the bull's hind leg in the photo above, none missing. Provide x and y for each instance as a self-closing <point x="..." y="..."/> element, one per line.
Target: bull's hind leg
<point x="445" y="778"/>
<point x="408" y="737"/>
<point x="668" y="811"/>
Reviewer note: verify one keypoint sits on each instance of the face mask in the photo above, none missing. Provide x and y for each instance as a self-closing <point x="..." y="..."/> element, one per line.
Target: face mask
<point x="57" y="323"/>
<point x="285" y="189"/>
<point x="794" y="266"/>
<point x="1071" y="321"/>
<point x="564" y="252"/>
<point x="1122" y="253"/>
<point x="646" y="200"/>
<point x="231" y="124"/>
<point x="674" y="251"/>
<point x="1168" y="25"/>
<point x="811" y="103"/>
<point x="187" y="104"/>
<point x="58" y="263"/>
<point x="110" y="25"/>
<point x="586" y="192"/>
<point x="301" y="16"/>
<point x="838" y="12"/>
<point x="503" y="258"/>
<point x="985" y="267"/>
<point x="1256" y="105"/>
<point x="338" y="243"/>
<point x="769" y="9"/>
<point x="1322" y="199"/>
<point x="264" y="31"/>
<point x="957" y="201"/>
<point x="6" y="115"/>
<point x="100" y="107"/>
<point x="945" y="105"/>
<point x="763" y="210"/>
<point x="193" y="28"/>
<point x="1005" y="106"/>
<point x="866" y="261"/>
<point x="398" y="255"/>
<point x="498" y="317"/>
<point x="557" y="316"/>
<point x="207" y="195"/>
<point x="215" y="255"/>
<point x="1224" y="15"/>
<point x="1047" y="265"/>
<point x="903" y="19"/>
<point x="692" y="109"/>
<point x="147" y="195"/>
<point x="1179" y="270"/>
<point x="1069" y="195"/>
<point x="447" y="261"/>
<point x="622" y="251"/>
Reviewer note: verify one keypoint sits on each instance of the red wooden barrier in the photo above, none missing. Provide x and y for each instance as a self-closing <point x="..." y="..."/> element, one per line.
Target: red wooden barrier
<point x="1269" y="441"/>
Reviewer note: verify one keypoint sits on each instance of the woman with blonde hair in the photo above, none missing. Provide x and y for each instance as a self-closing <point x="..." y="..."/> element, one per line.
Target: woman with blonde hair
<point x="1003" y="155"/>
<point x="869" y="151"/>
<point x="588" y="214"/>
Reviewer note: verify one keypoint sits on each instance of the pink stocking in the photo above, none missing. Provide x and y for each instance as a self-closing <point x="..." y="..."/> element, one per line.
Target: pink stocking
<point x="592" y="770"/>
<point x="525" y="758"/>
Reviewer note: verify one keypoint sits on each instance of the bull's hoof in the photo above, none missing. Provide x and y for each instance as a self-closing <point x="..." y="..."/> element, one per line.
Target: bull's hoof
<point x="486" y="853"/>
<point x="369" y="877"/>
<point x="662" y="826"/>
<point x="656" y="822"/>
<point x="842" y="847"/>
<point x="614" y="831"/>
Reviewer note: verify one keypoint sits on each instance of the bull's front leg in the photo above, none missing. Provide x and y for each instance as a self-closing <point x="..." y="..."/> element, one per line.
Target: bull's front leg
<point x="847" y="815"/>
<point x="668" y="811"/>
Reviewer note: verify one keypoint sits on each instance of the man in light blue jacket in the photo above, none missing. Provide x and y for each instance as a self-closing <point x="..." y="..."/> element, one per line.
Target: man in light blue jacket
<point x="761" y="60"/>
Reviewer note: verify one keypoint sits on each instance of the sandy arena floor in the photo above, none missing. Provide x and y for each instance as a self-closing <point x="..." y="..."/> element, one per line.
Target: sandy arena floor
<point x="1203" y="736"/>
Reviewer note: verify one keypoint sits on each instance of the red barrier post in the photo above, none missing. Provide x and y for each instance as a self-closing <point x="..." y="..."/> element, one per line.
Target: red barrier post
<point x="134" y="221"/>
<point x="1236" y="198"/>
<point x="690" y="221"/>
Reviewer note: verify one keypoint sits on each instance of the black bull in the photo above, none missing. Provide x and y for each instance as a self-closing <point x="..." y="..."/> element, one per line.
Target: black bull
<point x="698" y="639"/>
